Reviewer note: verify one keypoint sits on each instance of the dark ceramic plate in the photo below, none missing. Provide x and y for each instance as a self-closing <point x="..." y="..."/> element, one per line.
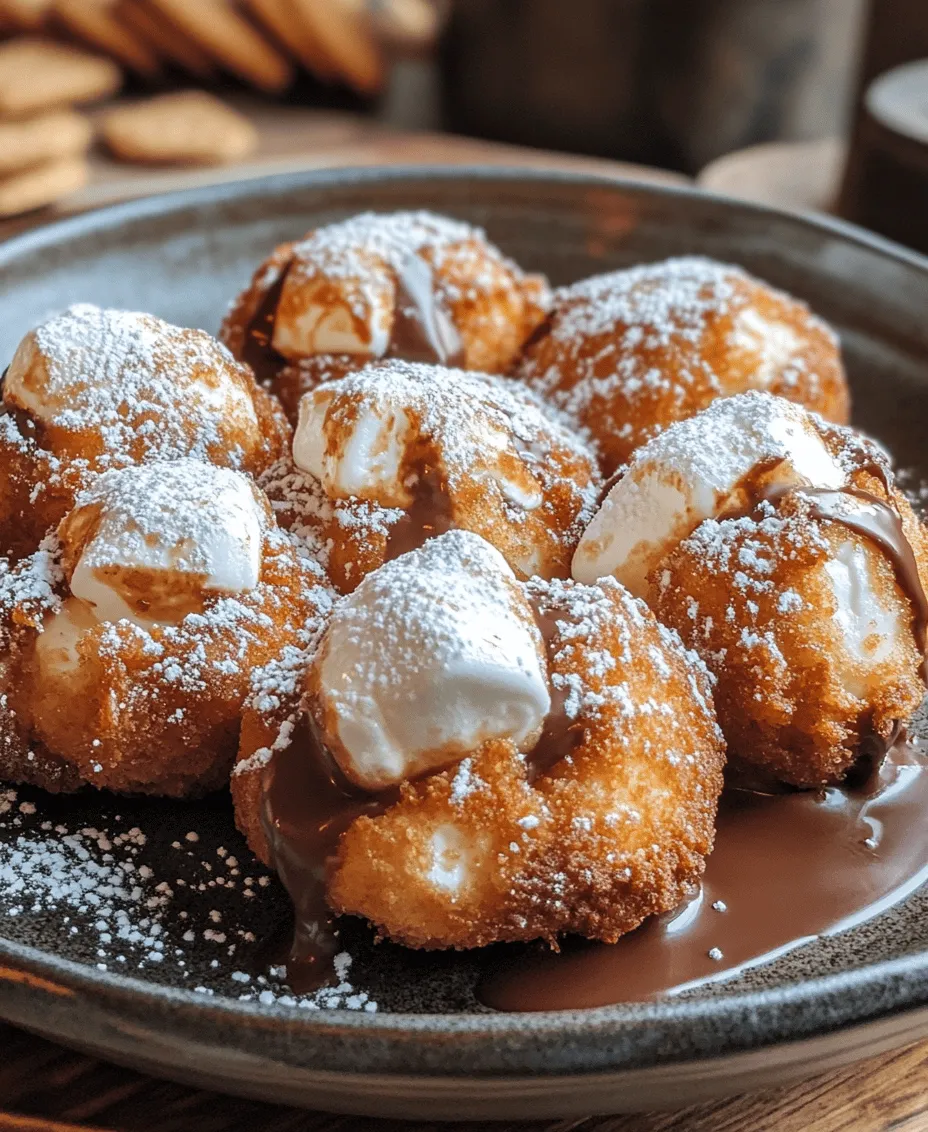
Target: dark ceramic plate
<point x="135" y="929"/>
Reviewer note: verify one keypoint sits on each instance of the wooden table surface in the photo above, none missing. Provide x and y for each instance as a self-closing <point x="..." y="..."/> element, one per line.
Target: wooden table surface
<point x="46" y="1088"/>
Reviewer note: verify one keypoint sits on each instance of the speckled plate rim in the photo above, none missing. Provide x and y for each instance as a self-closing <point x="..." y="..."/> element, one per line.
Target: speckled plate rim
<point x="621" y="1036"/>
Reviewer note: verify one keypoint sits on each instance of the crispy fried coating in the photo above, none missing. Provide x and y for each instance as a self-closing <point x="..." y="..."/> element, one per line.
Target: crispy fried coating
<point x="510" y="470"/>
<point x="628" y="353"/>
<point x="143" y="710"/>
<point x="614" y="832"/>
<point x="807" y="629"/>
<point x="91" y="390"/>
<point x="493" y="306"/>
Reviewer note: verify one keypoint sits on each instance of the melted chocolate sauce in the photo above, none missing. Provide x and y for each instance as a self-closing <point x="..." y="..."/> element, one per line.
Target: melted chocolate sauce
<point x="423" y="331"/>
<point x="428" y="516"/>
<point x="307" y="806"/>
<point x="883" y="526"/>
<point x="560" y="735"/>
<point x="785" y="869"/>
<point x="258" y="352"/>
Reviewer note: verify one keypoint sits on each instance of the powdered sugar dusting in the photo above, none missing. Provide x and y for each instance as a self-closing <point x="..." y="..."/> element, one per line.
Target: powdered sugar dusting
<point x="151" y="899"/>
<point x="650" y="330"/>
<point x="132" y="379"/>
<point x="345" y="250"/>
<point x="30" y="589"/>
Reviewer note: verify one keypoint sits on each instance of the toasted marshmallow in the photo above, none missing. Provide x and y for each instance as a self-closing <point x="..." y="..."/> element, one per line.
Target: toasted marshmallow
<point x="56" y="646"/>
<point x="699" y="469"/>
<point x="152" y="544"/>
<point x="871" y="627"/>
<point x="320" y="315"/>
<point x="362" y="456"/>
<point x="432" y="655"/>
<point x="344" y="283"/>
<point x="113" y="370"/>
<point x="355" y="435"/>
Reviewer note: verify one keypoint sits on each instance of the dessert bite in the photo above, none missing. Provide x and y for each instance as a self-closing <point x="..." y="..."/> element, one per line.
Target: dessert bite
<point x="91" y="390"/>
<point x="780" y="549"/>
<point x="130" y="640"/>
<point x="409" y="285"/>
<point x="560" y="772"/>
<point x="627" y="353"/>
<point x="400" y="452"/>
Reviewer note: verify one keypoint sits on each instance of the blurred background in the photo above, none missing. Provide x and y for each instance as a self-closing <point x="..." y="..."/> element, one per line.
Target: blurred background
<point x="805" y="103"/>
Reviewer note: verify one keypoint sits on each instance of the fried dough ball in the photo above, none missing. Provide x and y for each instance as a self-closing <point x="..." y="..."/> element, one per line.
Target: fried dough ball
<point x="400" y="451"/>
<point x="93" y="389"/>
<point x="628" y="353"/>
<point x="130" y="640"/>
<point x="807" y="628"/>
<point x="605" y="820"/>
<point x="779" y="549"/>
<point x="410" y="285"/>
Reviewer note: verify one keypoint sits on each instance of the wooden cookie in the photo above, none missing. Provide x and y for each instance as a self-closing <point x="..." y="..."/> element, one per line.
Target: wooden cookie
<point x="191" y="127"/>
<point x="231" y="40"/>
<point x="62" y="133"/>
<point x="343" y="31"/>
<point x="36" y="74"/>
<point x="166" y="41"/>
<point x="93" y="22"/>
<point x="278" y="17"/>
<point x="42" y="185"/>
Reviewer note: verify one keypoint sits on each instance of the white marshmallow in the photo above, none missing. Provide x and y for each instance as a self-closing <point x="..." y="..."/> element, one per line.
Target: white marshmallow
<point x="870" y="630"/>
<point x="56" y="646"/>
<point x="432" y="655"/>
<point x="695" y="471"/>
<point x="341" y="290"/>
<point x="151" y="543"/>
<point x="452" y="859"/>
<point x="360" y="457"/>
<point x="353" y="435"/>
<point x="335" y="316"/>
<point x="776" y="344"/>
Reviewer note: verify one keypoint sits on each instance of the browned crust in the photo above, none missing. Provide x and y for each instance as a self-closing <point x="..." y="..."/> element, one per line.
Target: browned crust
<point x="623" y="415"/>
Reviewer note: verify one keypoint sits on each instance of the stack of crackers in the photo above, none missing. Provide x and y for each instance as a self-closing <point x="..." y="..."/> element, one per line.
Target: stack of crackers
<point x="61" y="54"/>
<point x="261" y="42"/>
<point x="43" y="140"/>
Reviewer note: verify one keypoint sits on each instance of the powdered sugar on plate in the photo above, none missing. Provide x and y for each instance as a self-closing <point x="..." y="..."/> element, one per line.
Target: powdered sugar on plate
<point x="149" y="896"/>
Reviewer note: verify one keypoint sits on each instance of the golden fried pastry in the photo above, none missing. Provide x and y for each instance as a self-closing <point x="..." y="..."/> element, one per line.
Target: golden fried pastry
<point x="92" y="389"/>
<point x="560" y="772"/>
<point x="779" y="549"/>
<point x="400" y="451"/>
<point x="129" y="641"/>
<point x="406" y="284"/>
<point x="628" y="353"/>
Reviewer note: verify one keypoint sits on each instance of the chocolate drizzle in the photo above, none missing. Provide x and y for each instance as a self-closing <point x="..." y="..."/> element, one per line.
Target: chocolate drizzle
<point x="561" y="735"/>
<point x="307" y="805"/>
<point x="258" y="351"/>
<point x="423" y="330"/>
<point x="786" y="868"/>
<point x="882" y="524"/>
<point x="428" y="516"/>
